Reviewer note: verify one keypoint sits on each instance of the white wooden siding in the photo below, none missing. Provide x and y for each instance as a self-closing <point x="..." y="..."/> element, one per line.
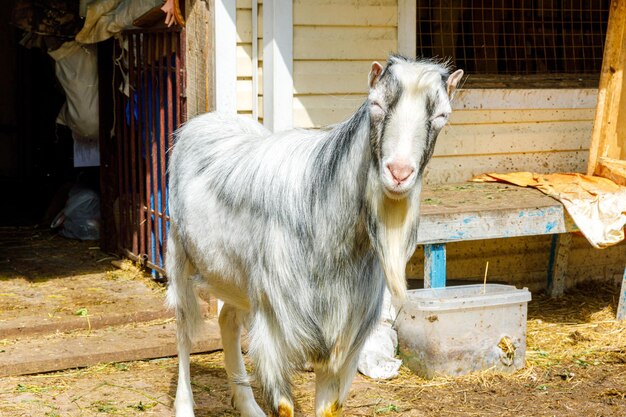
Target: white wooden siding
<point x="500" y="130"/>
<point x="244" y="58"/>
<point x="335" y="42"/>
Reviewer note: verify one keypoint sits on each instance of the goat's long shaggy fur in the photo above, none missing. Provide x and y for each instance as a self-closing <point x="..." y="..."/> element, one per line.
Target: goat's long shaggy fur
<point x="296" y="232"/>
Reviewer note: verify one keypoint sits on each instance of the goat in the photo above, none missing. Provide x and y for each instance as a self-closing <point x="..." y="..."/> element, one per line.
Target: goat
<point x="296" y="232"/>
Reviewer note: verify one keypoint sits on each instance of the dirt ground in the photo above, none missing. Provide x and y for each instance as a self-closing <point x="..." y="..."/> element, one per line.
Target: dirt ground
<point x="575" y="365"/>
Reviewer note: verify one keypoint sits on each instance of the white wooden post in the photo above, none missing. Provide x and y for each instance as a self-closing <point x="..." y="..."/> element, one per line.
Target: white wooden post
<point x="407" y="27"/>
<point x="278" y="64"/>
<point x="225" y="56"/>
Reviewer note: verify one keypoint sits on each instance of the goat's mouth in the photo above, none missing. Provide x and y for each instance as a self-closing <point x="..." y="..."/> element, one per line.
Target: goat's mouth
<point x="396" y="192"/>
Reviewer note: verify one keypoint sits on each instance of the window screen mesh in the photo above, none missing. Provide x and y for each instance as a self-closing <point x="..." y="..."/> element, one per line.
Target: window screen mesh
<point x="516" y="37"/>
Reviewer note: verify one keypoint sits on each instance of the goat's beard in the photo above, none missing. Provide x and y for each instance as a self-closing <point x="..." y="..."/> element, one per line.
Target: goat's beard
<point x="392" y="227"/>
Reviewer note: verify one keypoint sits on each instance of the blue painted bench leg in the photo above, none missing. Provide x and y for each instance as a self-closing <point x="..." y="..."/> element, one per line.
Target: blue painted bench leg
<point x="435" y="266"/>
<point x="557" y="267"/>
<point x="621" y="307"/>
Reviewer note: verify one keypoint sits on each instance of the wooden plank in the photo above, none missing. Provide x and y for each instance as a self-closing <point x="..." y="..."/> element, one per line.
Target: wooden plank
<point x="123" y="344"/>
<point x="244" y="60"/>
<point x="487" y="116"/>
<point x="613" y="169"/>
<point x="244" y="25"/>
<point x="609" y="138"/>
<point x="345" y="13"/>
<point x="557" y="267"/>
<point x="621" y="307"/>
<point x="474" y="211"/>
<point x="318" y="111"/>
<point x="509" y="99"/>
<point x="513" y="138"/>
<point x="244" y="95"/>
<point x="199" y="46"/>
<point x="25" y="325"/>
<point x="332" y="77"/>
<point x="331" y="43"/>
<point x="501" y="267"/>
<point x="454" y="169"/>
<point x="435" y="266"/>
<point x="330" y="96"/>
<point x="478" y="106"/>
<point x="484" y="224"/>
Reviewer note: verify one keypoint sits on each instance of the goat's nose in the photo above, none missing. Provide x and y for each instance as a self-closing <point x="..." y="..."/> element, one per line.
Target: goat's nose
<point x="400" y="170"/>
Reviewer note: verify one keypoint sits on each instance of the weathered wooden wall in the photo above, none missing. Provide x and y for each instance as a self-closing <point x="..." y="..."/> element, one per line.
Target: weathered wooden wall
<point x="199" y="62"/>
<point x="504" y="130"/>
<point x="524" y="262"/>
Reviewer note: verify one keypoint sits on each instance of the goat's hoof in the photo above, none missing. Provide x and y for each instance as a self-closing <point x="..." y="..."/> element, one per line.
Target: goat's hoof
<point x="247" y="408"/>
<point x="183" y="409"/>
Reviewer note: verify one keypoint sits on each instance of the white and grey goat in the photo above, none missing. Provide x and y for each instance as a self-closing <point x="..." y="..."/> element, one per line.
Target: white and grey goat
<point x="297" y="231"/>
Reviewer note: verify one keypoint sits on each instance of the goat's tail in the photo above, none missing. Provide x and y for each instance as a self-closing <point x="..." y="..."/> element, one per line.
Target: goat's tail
<point x="181" y="295"/>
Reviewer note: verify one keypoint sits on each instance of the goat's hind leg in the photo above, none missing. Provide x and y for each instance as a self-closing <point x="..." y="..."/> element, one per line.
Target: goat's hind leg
<point x="243" y="398"/>
<point x="181" y="296"/>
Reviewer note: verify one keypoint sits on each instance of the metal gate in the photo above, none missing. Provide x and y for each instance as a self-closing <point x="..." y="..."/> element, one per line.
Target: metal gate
<point x="149" y="103"/>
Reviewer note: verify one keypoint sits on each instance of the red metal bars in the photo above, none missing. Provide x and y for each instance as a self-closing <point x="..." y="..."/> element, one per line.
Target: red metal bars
<point x="149" y="106"/>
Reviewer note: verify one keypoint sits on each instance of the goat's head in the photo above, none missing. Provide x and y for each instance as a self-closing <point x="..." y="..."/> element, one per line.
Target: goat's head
<point x="409" y="103"/>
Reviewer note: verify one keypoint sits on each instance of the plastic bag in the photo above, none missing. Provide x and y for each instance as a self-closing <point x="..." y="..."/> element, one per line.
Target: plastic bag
<point x="76" y="68"/>
<point x="377" y="359"/>
<point x="80" y="219"/>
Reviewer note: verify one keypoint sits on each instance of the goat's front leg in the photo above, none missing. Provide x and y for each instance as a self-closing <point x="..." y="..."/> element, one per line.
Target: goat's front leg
<point x="267" y="347"/>
<point x="243" y="398"/>
<point x="331" y="388"/>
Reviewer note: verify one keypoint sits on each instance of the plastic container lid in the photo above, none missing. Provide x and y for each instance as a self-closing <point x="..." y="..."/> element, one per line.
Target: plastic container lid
<point x="465" y="296"/>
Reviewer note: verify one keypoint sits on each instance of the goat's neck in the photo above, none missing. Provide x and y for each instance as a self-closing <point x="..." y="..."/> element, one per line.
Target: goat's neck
<point x="344" y="161"/>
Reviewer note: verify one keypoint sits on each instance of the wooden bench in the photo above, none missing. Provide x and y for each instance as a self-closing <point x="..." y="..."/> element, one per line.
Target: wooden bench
<point x="474" y="211"/>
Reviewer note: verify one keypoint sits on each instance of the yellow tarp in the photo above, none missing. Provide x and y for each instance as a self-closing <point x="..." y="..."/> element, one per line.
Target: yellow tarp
<point x="597" y="205"/>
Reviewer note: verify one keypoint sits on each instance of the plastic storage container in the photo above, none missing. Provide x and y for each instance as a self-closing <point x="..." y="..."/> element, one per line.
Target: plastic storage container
<point x="456" y="330"/>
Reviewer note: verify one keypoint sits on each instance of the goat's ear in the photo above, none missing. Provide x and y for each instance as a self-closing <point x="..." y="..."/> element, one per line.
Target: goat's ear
<point x="374" y="73"/>
<point x="453" y="81"/>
